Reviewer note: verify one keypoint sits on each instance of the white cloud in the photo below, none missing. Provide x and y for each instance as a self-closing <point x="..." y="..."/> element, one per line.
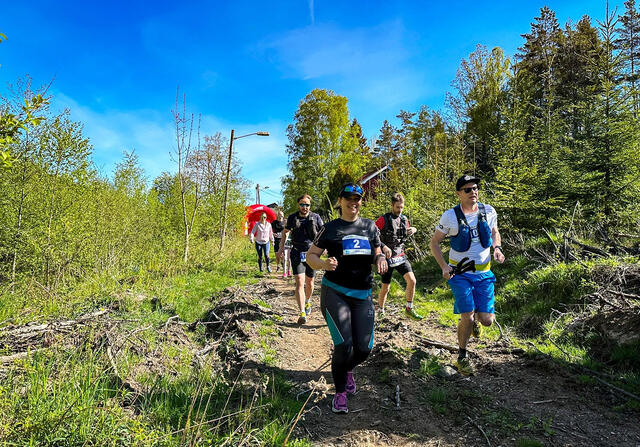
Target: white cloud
<point x="151" y="134"/>
<point x="371" y="64"/>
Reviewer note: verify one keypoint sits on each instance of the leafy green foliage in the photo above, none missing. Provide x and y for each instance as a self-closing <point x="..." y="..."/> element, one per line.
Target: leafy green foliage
<point x="325" y="150"/>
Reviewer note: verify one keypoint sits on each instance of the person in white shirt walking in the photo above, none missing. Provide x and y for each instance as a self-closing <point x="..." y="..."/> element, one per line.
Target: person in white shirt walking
<point x="261" y="235"/>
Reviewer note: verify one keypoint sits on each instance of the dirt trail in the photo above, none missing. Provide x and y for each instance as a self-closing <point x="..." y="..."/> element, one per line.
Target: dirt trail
<point x="512" y="399"/>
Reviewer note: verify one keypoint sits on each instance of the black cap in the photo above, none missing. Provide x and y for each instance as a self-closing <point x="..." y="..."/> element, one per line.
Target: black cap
<point x="350" y="189"/>
<point x="467" y="178"/>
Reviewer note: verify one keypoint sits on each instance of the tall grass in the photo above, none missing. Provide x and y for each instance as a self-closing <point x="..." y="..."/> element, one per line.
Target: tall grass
<point x="66" y="396"/>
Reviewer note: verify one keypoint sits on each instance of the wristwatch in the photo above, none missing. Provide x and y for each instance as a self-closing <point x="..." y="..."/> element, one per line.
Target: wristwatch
<point x="497" y="247"/>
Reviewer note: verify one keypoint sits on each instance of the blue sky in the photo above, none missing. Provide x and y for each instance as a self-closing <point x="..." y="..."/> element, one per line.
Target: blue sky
<point x="247" y="64"/>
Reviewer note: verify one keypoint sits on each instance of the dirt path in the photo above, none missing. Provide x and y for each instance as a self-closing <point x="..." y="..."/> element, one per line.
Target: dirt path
<point x="513" y="399"/>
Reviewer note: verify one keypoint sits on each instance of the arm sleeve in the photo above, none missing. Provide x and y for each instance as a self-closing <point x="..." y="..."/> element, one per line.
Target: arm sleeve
<point x="380" y="222"/>
<point x="446" y="225"/>
<point x="254" y="229"/>
<point x="320" y="240"/>
<point x="289" y="224"/>
<point x="375" y="236"/>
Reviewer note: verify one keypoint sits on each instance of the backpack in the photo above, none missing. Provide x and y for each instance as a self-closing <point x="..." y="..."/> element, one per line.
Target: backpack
<point x="394" y="238"/>
<point x="461" y="242"/>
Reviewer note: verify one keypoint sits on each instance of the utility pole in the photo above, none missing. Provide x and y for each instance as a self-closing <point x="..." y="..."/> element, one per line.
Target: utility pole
<point x="226" y="193"/>
<point x="258" y="193"/>
<point x="226" y="182"/>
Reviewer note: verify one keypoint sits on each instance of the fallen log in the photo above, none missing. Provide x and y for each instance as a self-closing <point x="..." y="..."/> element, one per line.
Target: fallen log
<point x="437" y="344"/>
<point x="589" y="248"/>
<point x="19" y="356"/>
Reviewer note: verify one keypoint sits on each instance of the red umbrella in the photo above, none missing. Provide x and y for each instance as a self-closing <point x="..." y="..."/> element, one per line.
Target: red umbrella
<point x="255" y="211"/>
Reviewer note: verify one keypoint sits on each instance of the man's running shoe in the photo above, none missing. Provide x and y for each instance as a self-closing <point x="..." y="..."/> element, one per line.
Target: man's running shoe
<point x="302" y="319"/>
<point x="477" y="329"/>
<point x="307" y="308"/>
<point x="411" y="312"/>
<point x="340" y="403"/>
<point x="464" y="366"/>
<point x="351" y="384"/>
<point x="381" y="314"/>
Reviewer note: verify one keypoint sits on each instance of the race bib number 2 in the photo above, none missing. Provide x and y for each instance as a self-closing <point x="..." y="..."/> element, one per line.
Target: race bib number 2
<point x="355" y="245"/>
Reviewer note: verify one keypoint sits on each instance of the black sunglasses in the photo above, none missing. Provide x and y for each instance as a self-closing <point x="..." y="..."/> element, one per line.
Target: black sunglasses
<point x="468" y="190"/>
<point x="304" y="205"/>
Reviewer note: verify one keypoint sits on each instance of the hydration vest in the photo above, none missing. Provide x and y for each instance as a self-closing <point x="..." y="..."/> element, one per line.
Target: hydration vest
<point x="307" y="230"/>
<point x="461" y="242"/>
<point x="394" y="238"/>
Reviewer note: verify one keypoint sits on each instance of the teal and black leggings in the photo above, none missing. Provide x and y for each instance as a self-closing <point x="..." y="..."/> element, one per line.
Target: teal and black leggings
<point x="350" y="322"/>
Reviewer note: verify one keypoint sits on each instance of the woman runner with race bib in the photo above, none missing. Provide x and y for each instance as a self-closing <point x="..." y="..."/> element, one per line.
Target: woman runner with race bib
<point x="353" y="245"/>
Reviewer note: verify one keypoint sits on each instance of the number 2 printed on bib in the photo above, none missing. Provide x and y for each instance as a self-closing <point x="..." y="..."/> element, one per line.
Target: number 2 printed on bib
<point x="355" y="245"/>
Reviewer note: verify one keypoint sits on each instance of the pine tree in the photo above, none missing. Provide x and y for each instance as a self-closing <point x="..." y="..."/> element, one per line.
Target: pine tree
<point x="628" y="43"/>
<point x="538" y="68"/>
<point x="610" y="165"/>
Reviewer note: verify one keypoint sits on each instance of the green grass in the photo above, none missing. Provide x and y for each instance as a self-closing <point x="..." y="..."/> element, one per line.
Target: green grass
<point x="429" y="366"/>
<point x="65" y="397"/>
<point x="529" y="298"/>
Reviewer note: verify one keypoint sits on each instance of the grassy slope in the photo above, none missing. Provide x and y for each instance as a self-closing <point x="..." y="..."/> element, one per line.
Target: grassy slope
<point x="70" y="396"/>
<point x="528" y="298"/>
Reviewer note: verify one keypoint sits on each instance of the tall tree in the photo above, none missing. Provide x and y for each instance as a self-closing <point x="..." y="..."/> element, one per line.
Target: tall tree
<point x="320" y="136"/>
<point x="190" y="192"/>
<point x="480" y="85"/>
<point x="538" y="61"/>
<point x="628" y="42"/>
<point x="609" y="166"/>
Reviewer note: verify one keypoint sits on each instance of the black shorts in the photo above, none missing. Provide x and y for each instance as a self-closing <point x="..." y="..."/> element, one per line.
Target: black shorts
<point x="298" y="267"/>
<point x="276" y="243"/>
<point x="403" y="269"/>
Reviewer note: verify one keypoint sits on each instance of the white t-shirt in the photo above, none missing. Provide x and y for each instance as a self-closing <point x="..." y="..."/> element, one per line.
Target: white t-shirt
<point x="449" y="226"/>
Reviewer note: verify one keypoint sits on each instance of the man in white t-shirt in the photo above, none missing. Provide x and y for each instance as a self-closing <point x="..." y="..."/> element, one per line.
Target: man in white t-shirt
<point x="473" y="230"/>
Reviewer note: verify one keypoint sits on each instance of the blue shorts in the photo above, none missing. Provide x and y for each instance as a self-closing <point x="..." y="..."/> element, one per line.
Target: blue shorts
<point x="473" y="292"/>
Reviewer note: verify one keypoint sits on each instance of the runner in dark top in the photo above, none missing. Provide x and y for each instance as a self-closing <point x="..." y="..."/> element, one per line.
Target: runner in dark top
<point x="303" y="226"/>
<point x="277" y="226"/>
<point x="394" y="231"/>
<point x="353" y="245"/>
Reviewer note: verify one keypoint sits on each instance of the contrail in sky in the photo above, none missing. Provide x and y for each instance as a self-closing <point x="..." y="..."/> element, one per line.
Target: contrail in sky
<point x="313" y="18"/>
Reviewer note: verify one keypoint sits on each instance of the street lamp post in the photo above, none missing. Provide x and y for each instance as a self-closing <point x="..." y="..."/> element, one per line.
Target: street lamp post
<point x="258" y="192"/>
<point x="226" y="182"/>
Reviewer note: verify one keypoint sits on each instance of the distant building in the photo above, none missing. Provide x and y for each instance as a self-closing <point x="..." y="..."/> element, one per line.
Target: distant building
<point x="370" y="180"/>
